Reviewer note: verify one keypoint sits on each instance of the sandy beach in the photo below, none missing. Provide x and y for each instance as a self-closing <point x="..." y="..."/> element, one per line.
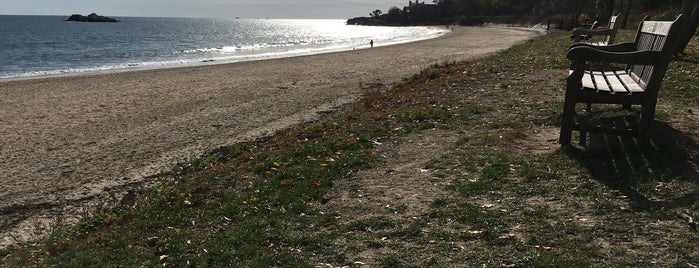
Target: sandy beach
<point x="67" y="142"/>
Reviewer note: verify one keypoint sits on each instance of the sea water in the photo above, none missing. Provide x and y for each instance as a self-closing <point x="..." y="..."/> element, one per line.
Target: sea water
<point x="40" y="46"/>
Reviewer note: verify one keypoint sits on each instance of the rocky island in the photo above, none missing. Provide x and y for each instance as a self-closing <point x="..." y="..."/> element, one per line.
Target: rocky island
<point x="91" y="18"/>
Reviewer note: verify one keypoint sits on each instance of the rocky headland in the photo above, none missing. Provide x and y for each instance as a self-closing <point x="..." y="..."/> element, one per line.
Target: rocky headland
<point x="91" y="18"/>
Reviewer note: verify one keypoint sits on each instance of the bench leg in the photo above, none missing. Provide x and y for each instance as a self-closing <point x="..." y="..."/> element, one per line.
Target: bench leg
<point x="583" y="131"/>
<point x="567" y="121"/>
<point x="566" y="129"/>
<point x="647" y="117"/>
<point x="573" y="85"/>
<point x="583" y="138"/>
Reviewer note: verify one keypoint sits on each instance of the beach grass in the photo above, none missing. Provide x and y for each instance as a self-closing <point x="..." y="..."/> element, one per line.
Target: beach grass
<point x="508" y="196"/>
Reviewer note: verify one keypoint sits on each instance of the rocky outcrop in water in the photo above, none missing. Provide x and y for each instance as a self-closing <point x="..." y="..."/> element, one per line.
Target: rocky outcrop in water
<point x="91" y="18"/>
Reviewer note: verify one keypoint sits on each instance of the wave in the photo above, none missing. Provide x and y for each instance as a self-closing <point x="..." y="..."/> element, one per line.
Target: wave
<point x="256" y="47"/>
<point x="92" y="69"/>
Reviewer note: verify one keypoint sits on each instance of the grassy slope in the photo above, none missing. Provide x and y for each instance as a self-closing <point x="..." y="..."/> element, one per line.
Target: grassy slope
<point x="262" y="203"/>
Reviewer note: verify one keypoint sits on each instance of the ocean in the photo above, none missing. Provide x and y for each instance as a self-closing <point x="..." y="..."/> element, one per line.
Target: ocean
<point x="42" y="46"/>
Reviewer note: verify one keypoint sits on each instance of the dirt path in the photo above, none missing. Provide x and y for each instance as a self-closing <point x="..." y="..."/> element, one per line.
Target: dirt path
<point x="69" y="142"/>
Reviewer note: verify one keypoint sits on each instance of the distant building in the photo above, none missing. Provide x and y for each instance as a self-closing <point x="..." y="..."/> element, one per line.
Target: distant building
<point x="422" y="12"/>
<point x="542" y="8"/>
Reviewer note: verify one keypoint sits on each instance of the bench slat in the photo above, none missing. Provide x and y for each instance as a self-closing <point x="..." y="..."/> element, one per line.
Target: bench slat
<point x="657" y="27"/>
<point x="600" y="82"/>
<point x="609" y="39"/>
<point x="639" y="79"/>
<point x="587" y="81"/>
<point x="616" y="85"/>
<point x="645" y="41"/>
<point x="629" y="82"/>
<point x="611" y="81"/>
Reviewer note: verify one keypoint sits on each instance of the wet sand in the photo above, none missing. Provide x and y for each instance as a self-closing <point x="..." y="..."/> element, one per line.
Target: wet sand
<point x="69" y="141"/>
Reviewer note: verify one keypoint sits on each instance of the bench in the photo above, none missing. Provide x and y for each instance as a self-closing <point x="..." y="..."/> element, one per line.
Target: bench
<point x="646" y="60"/>
<point x="608" y="34"/>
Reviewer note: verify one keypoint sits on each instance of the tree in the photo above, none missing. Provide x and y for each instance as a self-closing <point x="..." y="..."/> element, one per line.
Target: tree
<point x="394" y="11"/>
<point x="376" y="13"/>
<point x="608" y="9"/>
<point x="394" y="14"/>
<point x="576" y="13"/>
<point x="690" y="15"/>
<point x="625" y="11"/>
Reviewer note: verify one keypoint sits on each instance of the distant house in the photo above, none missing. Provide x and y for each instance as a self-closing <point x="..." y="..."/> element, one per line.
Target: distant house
<point x="416" y="13"/>
<point x="422" y="12"/>
<point x="542" y="8"/>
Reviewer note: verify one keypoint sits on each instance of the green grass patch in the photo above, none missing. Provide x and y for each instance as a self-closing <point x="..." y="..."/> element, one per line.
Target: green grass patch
<point x="505" y="201"/>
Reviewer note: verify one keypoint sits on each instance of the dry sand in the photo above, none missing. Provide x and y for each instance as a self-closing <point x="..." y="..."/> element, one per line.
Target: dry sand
<point x="70" y="141"/>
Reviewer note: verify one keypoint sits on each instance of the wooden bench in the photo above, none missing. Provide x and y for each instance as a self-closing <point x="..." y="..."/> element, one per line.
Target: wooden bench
<point x="607" y="34"/>
<point x="646" y="59"/>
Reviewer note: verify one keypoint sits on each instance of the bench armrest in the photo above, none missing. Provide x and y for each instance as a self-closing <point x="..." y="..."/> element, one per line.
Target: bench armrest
<point x="619" y="47"/>
<point x="583" y="31"/>
<point x="579" y="34"/>
<point x="591" y="53"/>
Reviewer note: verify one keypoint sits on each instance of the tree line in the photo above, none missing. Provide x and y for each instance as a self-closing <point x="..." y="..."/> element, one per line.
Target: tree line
<point x="470" y="12"/>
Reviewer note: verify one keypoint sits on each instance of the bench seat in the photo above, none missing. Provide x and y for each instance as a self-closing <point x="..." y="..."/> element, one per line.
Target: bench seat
<point x="611" y="81"/>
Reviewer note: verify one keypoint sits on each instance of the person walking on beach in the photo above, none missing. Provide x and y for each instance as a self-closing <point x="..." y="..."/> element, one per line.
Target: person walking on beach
<point x="371" y="43"/>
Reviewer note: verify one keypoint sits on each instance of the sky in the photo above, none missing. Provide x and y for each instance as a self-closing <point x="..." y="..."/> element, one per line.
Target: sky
<point x="291" y="9"/>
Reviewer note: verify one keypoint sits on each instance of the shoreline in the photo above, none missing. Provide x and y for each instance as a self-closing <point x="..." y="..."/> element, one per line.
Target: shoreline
<point x="208" y="62"/>
<point x="75" y="141"/>
<point x="143" y="64"/>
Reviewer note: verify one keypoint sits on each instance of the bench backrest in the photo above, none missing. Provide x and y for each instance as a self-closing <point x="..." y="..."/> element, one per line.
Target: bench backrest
<point x="609" y="39"/>
<point x="654" y="36"/>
